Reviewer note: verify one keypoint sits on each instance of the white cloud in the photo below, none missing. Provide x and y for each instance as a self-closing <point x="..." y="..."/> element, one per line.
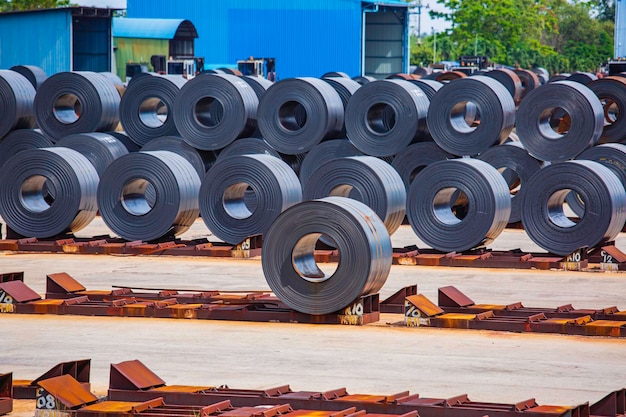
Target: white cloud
<point x="113" y="4"/>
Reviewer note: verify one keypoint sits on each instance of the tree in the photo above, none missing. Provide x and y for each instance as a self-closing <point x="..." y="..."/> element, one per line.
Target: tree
<point x="14" y="5"/>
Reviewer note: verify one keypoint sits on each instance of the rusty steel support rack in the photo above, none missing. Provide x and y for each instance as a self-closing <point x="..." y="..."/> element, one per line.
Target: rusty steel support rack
<point x="607" y="257"/>
<point x="457" y="310"/>
<point x="133" y="381"/>
<point x="6" y="393"/>
<point x="79" y="370"/>
<point x="66" y="296"/>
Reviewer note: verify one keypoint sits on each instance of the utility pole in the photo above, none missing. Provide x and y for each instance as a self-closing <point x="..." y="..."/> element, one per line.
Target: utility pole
<point x="419" y="6"/>
<point x="434" y="45"/>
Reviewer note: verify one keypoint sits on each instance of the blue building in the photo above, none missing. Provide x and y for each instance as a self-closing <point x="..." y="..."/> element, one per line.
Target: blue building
<point x="63" y="39"/>
<point x="306" y="37"/>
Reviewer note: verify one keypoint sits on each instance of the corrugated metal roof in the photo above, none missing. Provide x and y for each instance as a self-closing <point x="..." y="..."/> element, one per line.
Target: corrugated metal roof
<point x="393" y="3"/>
<point x="152" y="28"/>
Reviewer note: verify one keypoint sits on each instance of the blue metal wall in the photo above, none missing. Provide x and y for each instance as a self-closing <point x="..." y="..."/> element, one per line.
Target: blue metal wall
<point x="307" y="38"/>
<point x="40" y="38"/>
<point x="620" y="29"/>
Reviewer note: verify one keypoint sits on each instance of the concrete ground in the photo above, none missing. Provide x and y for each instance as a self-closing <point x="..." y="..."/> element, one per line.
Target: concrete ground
<point x="381" y="358"/>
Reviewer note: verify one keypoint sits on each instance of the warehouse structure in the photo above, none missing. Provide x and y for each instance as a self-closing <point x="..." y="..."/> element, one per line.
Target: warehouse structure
<point x="306" y="38"/>
<point x="63" y="39"/>
<point x="138" y="40"/>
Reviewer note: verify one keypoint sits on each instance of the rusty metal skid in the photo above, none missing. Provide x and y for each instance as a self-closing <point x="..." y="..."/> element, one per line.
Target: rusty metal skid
<point x="6" y="388"/>
<point x="456" y="310"/>
<point x="133" y="381"/>
<point x="65" y="295"/>
<point x="79" y="370"/>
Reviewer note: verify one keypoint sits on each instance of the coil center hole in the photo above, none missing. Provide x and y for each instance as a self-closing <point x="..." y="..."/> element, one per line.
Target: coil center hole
<point x="381" y="118"/>
<point x="138" y="196"/>
<point x="153" y="112"/>
<point x="67" y="109"/>
<point x="465" y="117"/>
<point x="303" y="259"/>
<point x="209" y="111"/>
<point x="292" y="116"/>
<point x="554" y="122"/>
<point x="35" y="194"/>
<point x="611" y="110"/>
<point x="239" y="200"/>
<point x="558" y="210"/>
<point x="451" y="205"/>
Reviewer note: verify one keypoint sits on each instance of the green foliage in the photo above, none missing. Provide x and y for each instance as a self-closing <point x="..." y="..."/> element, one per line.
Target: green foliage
<point x="14" y="5"/>
<point x="560" y="35"/>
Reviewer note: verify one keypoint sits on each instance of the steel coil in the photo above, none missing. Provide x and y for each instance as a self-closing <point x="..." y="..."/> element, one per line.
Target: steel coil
<point x="422" y="72"/>
<point x="516" y="167"/>
<point x="529" y="80"/>
<point x="542" y="74"/>
<point x="21" y="140"/>
<point x="231" y="71"/>
<point x="76" y="102"/>
<point x="612" y="156"/>
<point x="402" y="76"/>
<point x="510" y="80"/>
<point x="123" y="137"/>
<point x="296" y="114"/>
<point x="384" y="117"/>
<point x="460" y="133"/>
<point x="412" y="160"/>
<point x="178" y="146"/>
<point x="363" y="79"/>
<point x="125" y="207"/>
<point x="258" y="84"/>
<point x="559" y="120"/>
<point x="35" y="75"/>
<point x="558" y="77"/>
<point x="26" y="206"/>
<point x="582" y="77"/>
<point x="345" y="87"/>
<point x="251" y="146"/>
<point x="222" y="195"/>
<point x="288" y="259"/>
<point x="147" y="109"/>
<point x="116" y="81"/>
<point x="324" y="152"/>
<point x="429" y="87"/>
<point x="612" y="94"/>
<point x="446" y="76"/>
<point x="16" y="101"/>
<point x="335" y="74"/>
<point x="101" y="149"/>
<point x="458" y="204"/>
<point x="543" y="214"/>
<point x="367" y="179"/>
<point x="214" y="110"/>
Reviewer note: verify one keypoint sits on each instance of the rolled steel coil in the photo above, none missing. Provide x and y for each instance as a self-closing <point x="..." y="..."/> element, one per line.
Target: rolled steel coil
<point x="412" y="160"/>
<point x="76" y="102"/>
<point x="559" y="77"/>
<point x="402" y="76"/>
<point x="123" y="137"/>
<point x="447" y="76"/>
<point x="559" y="120"/>
<point x="363" y="79"/>
<point x="35" y="75"/>
<point x="117" y="82"/>
<point x="222" y="195"/>
<point x="384" y="117"/>
<point x="367" y="179"/>
<point x="16" y="101"/>
<point x="458" y="133"/>
<point x="231" y="71"/>
<point x="101" y="149"/>
<point x="148" y="107"/>
<point x="125" y="206"/>
<point x="324" y="152"/>
<point x="213" y="110"/>
<point x="510" y="80"/>
<point x="516" y="167"/>
<point x="542" y="74"/>
<point x="612" y="94"/>
<point x="335" y="74"/>
<point x="582" y="77"/>
<point x="250" y="146"/>
<point x="288" y="258"/>
<point x="429" y="87"/>
<point x="529" y="80"/>
<point x="21" y="140"/>
<point x="177" y="145"/>
<point x="543" y="215"/>
<point x="345" y="87"/>
<point x="30" y="178"/>
<point x="422" y="72"/>
<point x="296" y="114"/>
<point x="436" y="194"/>
<point x="612" y="156"/>
<point x="214" y="71"/>
<point x="258" y="84"/>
